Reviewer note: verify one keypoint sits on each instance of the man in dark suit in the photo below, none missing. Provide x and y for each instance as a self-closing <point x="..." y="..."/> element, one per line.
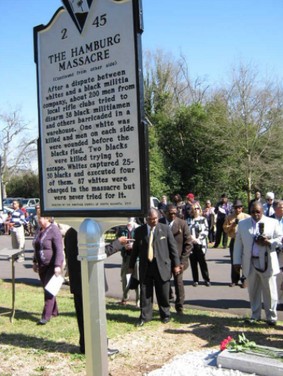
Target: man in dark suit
<point x="158" y="255"/>
<point x="74" y="269"/>
<point x="257" y="198"/>
<point x="181" y="233"/>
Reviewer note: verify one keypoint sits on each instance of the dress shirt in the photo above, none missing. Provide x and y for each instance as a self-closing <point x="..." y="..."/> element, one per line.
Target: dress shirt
<point x="255" y="249"/>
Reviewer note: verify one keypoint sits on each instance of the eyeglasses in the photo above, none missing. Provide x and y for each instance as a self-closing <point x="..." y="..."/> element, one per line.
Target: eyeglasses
<point x="255" y="211"/>
<point x="172" y="213"/>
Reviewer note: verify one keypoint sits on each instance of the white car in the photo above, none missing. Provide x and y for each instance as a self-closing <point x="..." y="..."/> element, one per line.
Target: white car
<point x="26" y="202"/>
<point x="154" y="202"/>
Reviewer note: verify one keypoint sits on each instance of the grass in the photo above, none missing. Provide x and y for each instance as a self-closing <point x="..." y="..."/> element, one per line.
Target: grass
<point x="45" y="347"/>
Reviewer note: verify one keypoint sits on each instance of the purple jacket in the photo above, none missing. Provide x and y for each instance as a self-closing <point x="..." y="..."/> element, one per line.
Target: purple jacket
<point x="48" y="247"/>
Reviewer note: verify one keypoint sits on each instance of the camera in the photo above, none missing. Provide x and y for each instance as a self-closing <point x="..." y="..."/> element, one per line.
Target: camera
<point x="197" y="230"/>
<point x="236" y="221"/>
<point x="259" y="237"/>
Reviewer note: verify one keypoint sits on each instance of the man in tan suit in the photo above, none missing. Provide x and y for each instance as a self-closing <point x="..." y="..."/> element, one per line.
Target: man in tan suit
<point x="255" y="250"/>
<point x="230" y="228"/>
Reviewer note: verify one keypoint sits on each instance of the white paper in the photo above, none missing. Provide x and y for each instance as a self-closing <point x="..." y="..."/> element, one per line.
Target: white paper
<point x="128" y="279"/>
<point x="54" y="285"/>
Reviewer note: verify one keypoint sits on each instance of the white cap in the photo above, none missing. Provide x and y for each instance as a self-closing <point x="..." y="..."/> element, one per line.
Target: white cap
<point x="270" y="195"/>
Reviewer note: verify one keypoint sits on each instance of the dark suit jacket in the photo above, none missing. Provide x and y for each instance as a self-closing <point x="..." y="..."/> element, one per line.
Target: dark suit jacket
<point x="181" y="233"/>
<point x="74" y="265"/>
<point x="165" y="251"/>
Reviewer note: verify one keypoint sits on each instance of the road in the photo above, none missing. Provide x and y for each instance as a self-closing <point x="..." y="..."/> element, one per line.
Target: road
<point x="218" y="297"/>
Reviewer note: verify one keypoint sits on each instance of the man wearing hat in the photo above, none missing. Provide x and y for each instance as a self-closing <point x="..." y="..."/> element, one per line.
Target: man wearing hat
<point x="268" y="207"/>
<point x="230" y="228"/>
<point x="222" y="209"/>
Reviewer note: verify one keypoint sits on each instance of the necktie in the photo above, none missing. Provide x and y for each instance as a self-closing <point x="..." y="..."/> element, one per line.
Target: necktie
<point x="150" y="247"/>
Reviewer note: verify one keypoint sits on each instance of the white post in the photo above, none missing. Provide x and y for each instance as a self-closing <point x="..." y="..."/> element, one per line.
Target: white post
<point x="91" y="255"/>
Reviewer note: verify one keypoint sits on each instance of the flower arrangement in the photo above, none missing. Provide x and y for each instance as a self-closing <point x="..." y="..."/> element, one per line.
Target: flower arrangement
<point x="250" y="347"/>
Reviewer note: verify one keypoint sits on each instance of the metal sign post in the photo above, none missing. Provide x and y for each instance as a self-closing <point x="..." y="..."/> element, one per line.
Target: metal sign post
<point x="91" y="255"/>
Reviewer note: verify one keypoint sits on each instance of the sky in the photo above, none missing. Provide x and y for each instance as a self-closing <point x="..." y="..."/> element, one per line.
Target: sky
<point x="213" y="35"/>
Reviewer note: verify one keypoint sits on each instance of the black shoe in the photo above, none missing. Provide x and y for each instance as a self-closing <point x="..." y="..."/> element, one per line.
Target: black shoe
<point x="140" y="323"/>
<point x="165" y="320"/>
<point x="271" y="323"/>
<point x="195" y="284"/>
<point x="207" y="283"/>
<point x="42" y="322"/>
<point x="111" y="352"/>
<point x="179" y="312"/>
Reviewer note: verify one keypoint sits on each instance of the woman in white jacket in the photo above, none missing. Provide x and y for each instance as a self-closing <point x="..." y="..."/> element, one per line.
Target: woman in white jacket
<point x="199" y="230"/>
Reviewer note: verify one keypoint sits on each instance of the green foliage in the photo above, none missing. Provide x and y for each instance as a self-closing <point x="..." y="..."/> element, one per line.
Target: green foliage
<point x="229" y="142"/>
<point x="157" y="169"/>
<point x="23" y="185"/>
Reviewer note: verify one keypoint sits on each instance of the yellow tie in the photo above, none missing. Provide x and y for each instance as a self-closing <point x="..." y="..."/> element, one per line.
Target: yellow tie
<point x="150" y="247"/>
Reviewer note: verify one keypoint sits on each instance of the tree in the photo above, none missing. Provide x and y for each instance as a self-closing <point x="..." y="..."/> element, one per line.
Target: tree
<point x="157" y="172"/>
<point x="229" y="142"/>
<point x="24" y="185"/>
<point x="167" y="87"/>
<point x="191" y="150"/>
<point x="18" y="151"/>
<point x="255" y="133"/>
<point x="168" y="84"/>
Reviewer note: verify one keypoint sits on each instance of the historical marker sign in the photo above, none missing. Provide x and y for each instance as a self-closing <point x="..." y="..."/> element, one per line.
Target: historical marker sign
<point x="92" y="135"/>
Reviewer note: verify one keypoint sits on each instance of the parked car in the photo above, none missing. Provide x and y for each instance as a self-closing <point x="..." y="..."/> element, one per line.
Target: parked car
<point x="26" y="202"/>
<point x="9" y="200"/>
<point x="31" y="211"/>
<point x="154" y="202"/>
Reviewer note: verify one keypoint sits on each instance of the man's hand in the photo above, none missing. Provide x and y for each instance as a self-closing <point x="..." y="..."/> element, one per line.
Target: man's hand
<point x="123" y="240"/>
<point x="263" y="241"/>
<point x="177" y="270"/>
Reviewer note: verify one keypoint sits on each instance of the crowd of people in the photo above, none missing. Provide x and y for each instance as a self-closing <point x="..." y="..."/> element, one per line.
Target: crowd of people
<point x="175" y="235"/>
<point x="255" y="245"/>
